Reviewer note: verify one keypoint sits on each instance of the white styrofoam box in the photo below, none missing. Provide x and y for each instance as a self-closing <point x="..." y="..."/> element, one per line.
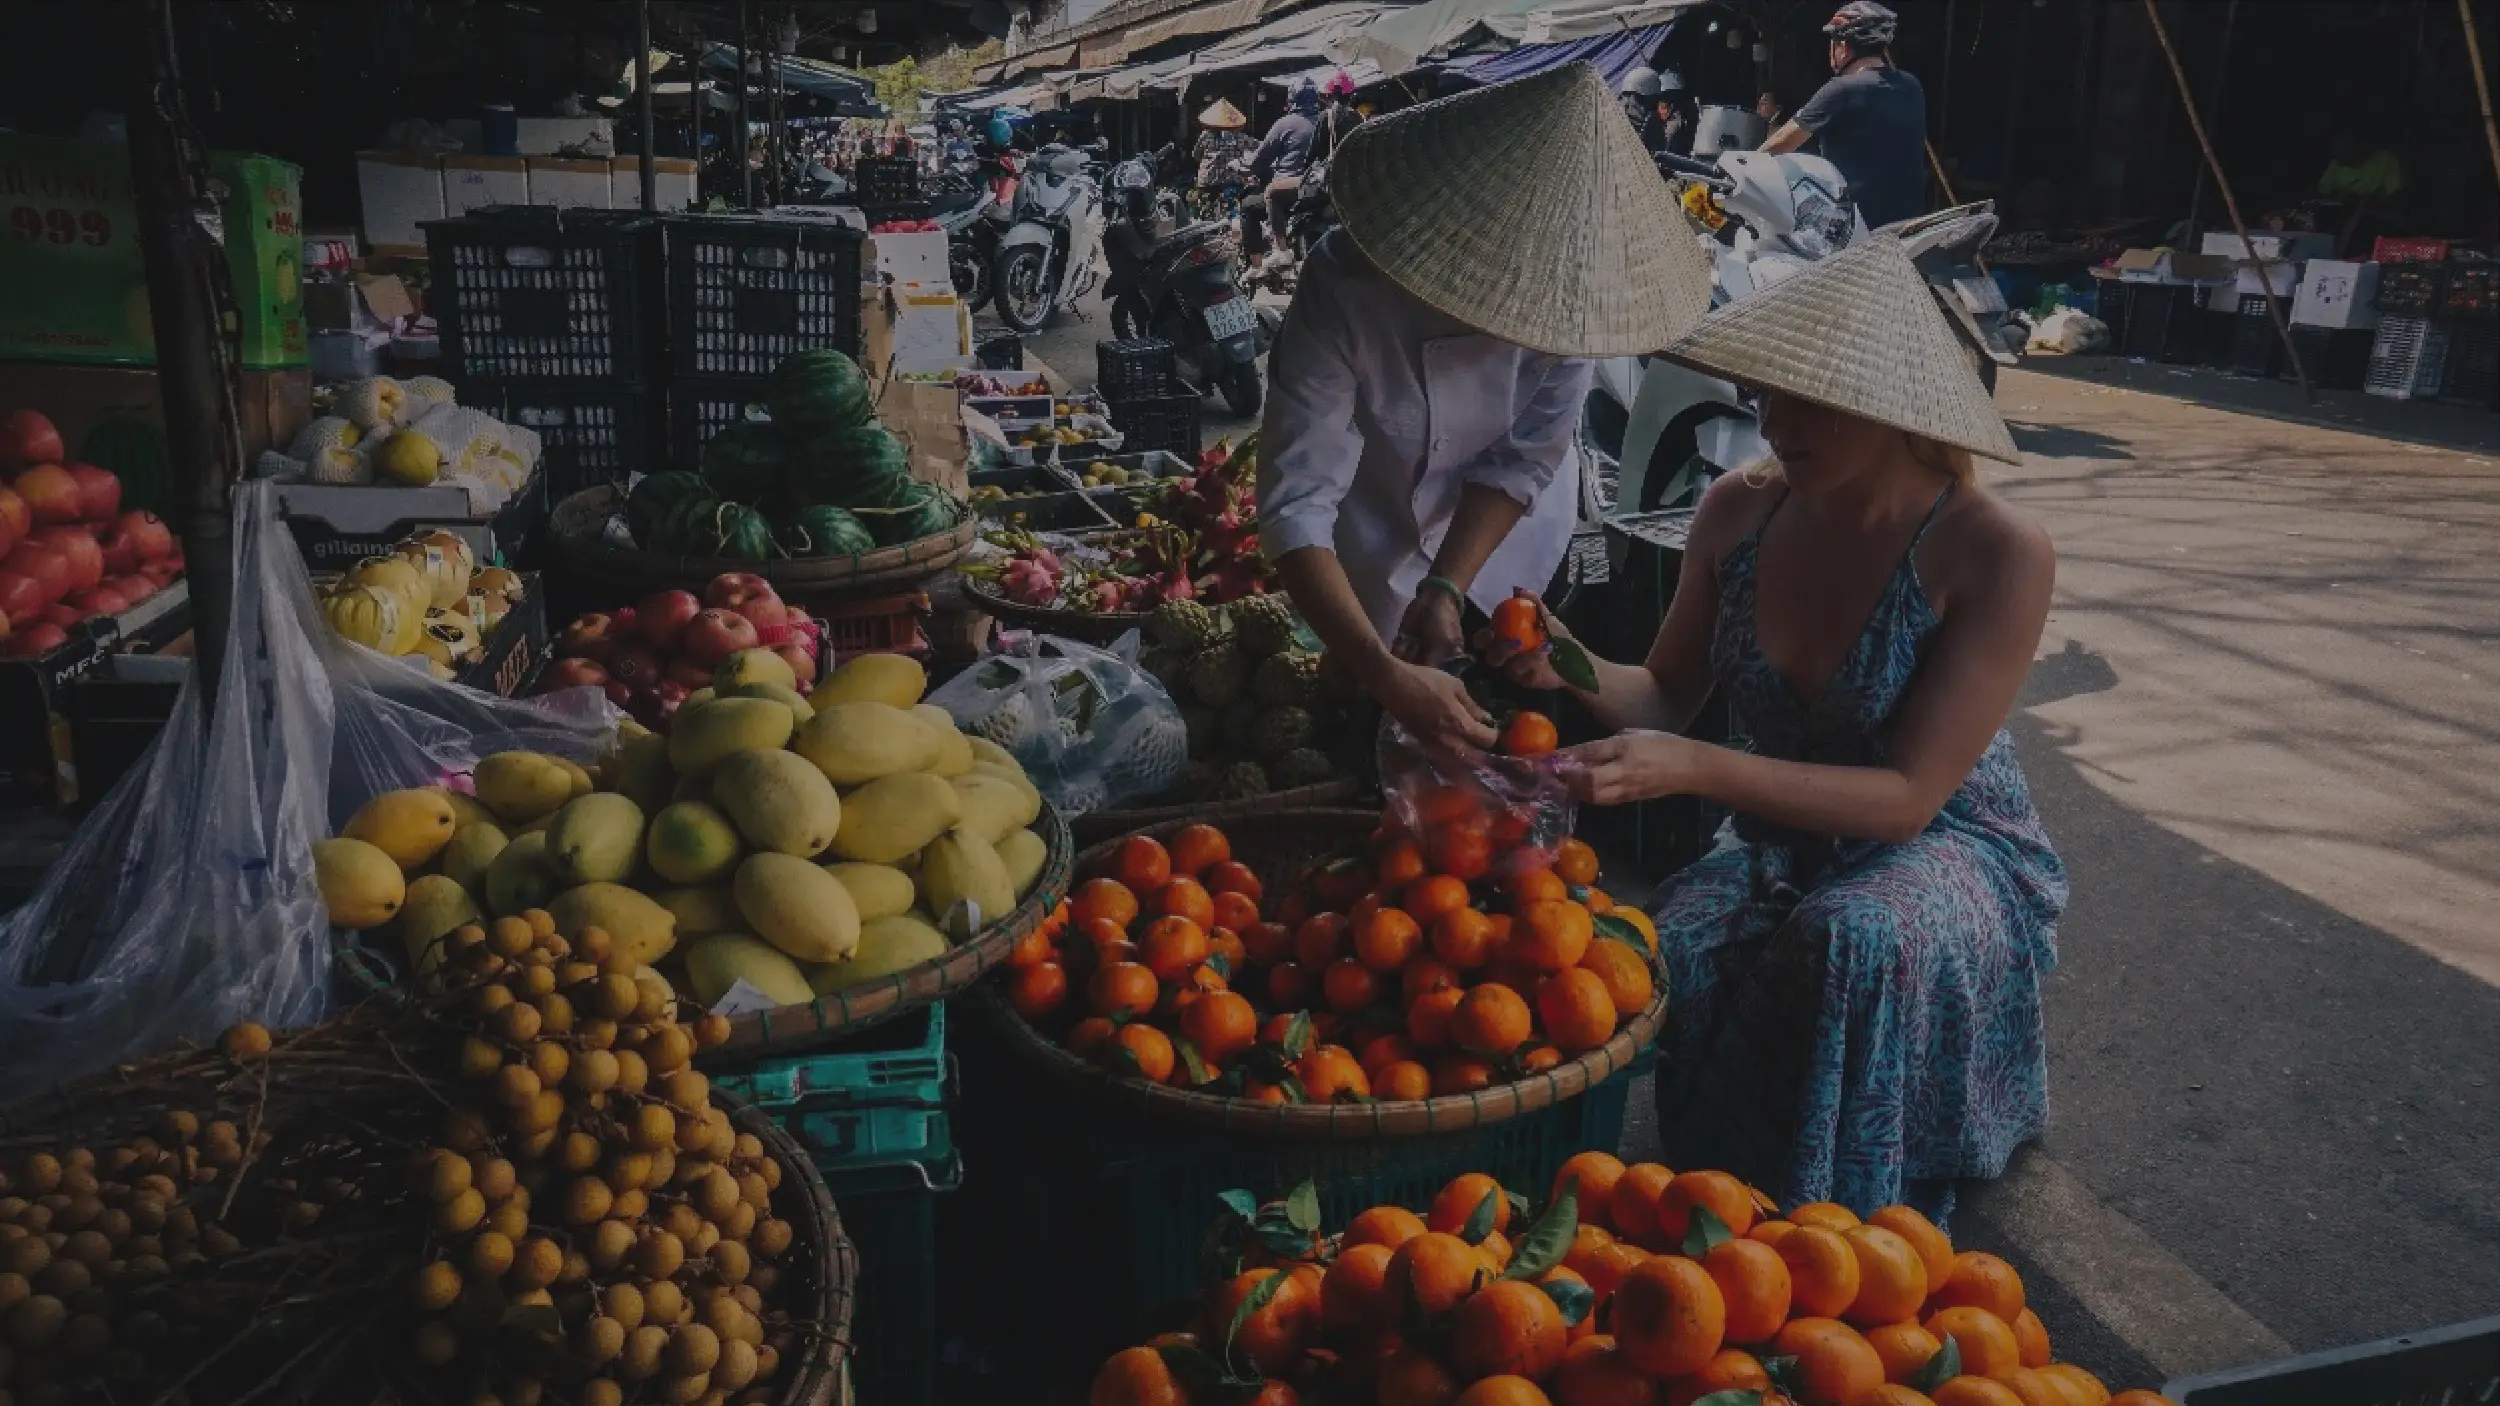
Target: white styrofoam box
<point x="673" y="179"/>
<point x="545" y="136"/>
<point x="561" y="180"/>
<point x="909" y="329"/>
<point x="471" y="182"/>
<point x="2248" y="282"/>
<point x="399" y="191"/>
<point x="906" y="260"/>
<point x="2296" y="245"/>
<point x="2336" y="293"/>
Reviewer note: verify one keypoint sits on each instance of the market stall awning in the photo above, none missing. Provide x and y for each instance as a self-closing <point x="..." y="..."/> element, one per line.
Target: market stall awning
<point x="1407" y="36"/>
<point x="1222" y="17"/>
<point x="1320" y="35"/>
<point x="1363" y="71"/>
<point x="798" y="75"/>
<point x="1126" y="84"/>
<point x="1615" y="55"/>
<point x="1030" y="61"/>
<point x="1560" y="21"/>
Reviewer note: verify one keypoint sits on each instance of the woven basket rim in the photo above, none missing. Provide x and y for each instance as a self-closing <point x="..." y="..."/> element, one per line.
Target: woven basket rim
<point x="818" y="1222"/>
<point x="1337" y="1122"/>
<point x="919" y="557"/>
<point x="1089" y="627"/>
<point x="1119" y="822"/>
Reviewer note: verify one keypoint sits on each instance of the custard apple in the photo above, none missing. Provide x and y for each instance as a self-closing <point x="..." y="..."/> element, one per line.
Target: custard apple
<point x="1280" y="730"/>
<point x="1170" y="668"/>
<point x="1289" y="680"/>
<point x="1265" y="624"/>
<point x="1185" y="625"/>
<point x="1197" y="783"/>
<point x="1241" y="781"/>
<point x="1238" y="724"/>
<point x="1303" y="766"/>
<point x="1217" y="674"/>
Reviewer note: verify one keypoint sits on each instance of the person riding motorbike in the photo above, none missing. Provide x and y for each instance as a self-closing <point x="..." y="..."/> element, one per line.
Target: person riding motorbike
<point x="1870" y="120"/>
<point x="1276" y="168"/>
<point x="1220" y="154"/>
<point x="1660" y="109"/>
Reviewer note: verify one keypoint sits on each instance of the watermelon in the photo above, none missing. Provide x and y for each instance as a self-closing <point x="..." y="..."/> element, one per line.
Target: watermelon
<point x="921" y="511"/>
<point x="657" y="496"/>
<point x="818" y="390"/>
<point x="863" y="466"/>
<point x="744" y="535"/>
<point x="688" y="529"/>
<point x="744" y="462"/>
<point x="826" y="531"/>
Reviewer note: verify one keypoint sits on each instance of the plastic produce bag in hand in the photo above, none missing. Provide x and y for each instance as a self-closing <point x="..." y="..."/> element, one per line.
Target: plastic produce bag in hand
<point x="186" y="902"/>
<point x="1089" y="727"/>
<point x="1474" y="813"/>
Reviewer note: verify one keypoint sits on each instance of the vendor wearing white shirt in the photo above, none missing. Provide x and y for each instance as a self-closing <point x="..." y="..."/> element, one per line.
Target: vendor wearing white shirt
<point x="1417" y="449"/>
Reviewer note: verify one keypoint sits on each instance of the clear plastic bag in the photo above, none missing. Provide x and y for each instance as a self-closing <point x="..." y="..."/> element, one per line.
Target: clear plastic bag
<point x="1089" y="726"/>
<point x="186" y="902"/>
<point x="1473" y="812"/>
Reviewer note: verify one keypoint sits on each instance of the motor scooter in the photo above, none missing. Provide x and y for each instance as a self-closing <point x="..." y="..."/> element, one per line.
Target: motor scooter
<point x="1181" y="288"/>
<point x="1051" y="256"/>
<point x="967" y="206"/>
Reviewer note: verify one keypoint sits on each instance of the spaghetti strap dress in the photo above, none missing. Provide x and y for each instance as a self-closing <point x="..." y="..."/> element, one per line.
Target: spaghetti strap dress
<point x="1853" y="1020"/>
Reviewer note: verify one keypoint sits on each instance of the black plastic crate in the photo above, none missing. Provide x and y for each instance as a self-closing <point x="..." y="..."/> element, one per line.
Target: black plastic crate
<point x="587" y="436"/>
<point x="2409" y="290"/>
<point x="885" y="180"/>
<point x="746" y="291"/>
<point x="1167" y="422"/>
<point x="2472" y="376"/>
<point x="2336" y="358"/>
<point x="2459" y="1364"/>
<point x="1002" y="351"/>
<point x="1138" y="366"/>
<point x="2473" y="291"/>
<point x="538" y="293"/>
<point x="702" y="406"/>
<point x="2255" y="350"/>
<point x="2164" y="321"/>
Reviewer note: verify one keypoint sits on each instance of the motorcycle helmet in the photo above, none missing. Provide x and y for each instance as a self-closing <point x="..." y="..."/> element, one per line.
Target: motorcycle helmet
<point x="1133" y="189"/>
<point x="1641" y="83"/>
<point x="1863" y="25"/>
<point x="1340" y="85"/>
<point x="1305" y="97"/>
<point x="1004" y="123"/>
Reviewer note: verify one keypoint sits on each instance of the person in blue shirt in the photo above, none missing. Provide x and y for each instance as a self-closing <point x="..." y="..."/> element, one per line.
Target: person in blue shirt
<point x="1870" y="120"/>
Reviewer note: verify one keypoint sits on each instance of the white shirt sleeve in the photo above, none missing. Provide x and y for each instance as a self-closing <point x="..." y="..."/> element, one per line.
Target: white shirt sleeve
<point x="1522" y="462"/>
<point x="1308" y="445"/>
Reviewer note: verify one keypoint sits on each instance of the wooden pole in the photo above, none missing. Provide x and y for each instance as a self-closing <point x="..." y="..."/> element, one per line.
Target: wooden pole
<point x="642" y="104"/>
<point x="195" y="373"/>
<point x="2482" y="82"/>
<point x="2231" y="202"/>
<point x="2213" y="104"/>
<point x="746" y="167"/>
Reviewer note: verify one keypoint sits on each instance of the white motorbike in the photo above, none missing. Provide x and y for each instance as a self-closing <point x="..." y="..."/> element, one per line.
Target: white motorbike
<point x="1052" y="254"/>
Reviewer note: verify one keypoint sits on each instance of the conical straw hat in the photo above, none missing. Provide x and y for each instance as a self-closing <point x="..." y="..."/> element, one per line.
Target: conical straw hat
<point x="1858" y="332"/>
<point x="1222" y="113"/>
<point x="1528" y="210"/>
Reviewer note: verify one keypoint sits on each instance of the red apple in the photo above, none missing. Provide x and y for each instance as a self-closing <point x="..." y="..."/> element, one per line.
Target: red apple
<point x="732" y="589"/>
<point x="76" y="541"/>
<point x="65" y="615"/>
<point x="149" y="534"/>
<point x="121" y="555"/>
<point x="662" y="617"/>
<point x="15" y="515"/>
<point x="27" y="438"/>
<point x="34" y="641"/>
<point x="21" y="595"/>
<point x="765" y="613"/>
<point x="714" y="635"/>
<point x="802" y="664"/>
<point x="134" y="587"/>
<point x="590" y="636"/>
<point x="687" y="674"/>
<point x="44" y="562"/>
<point x="572" y="671"/>
<point x="163" y="573"/>
<point x="635" y="666"/>
<point x="99" y="600"/>
<point x="99" y="492"/>
<point x="50" y="493"/>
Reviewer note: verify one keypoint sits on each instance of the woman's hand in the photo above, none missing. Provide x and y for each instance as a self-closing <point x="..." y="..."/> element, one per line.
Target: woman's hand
<point x="1528" y="668"/>
<point x="1430" y="633"/>
<point x="1432" y="705"/>
<point x="1634" y="766"/>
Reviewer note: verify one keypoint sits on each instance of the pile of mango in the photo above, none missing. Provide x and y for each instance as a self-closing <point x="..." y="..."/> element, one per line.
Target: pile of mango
<point x="780" y="847"/>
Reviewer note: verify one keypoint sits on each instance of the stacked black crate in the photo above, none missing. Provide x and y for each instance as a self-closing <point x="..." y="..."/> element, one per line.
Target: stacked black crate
<point x="551" y="322"/>
<point x="1149" y="405"/>
<point x="745" y="292"/>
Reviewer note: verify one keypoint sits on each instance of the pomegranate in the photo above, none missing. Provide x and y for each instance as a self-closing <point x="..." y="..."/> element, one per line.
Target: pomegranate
<point x="99" y="492"/>
<point x="76" y="541"/>
<point x="617" y="693"/>
<point x="121" y="555"/>
<point x="634" y="666"/>
<point x="44" y="562"/>
<point x="662" y="617"/>
<point x="50" y="493"/>
<point x="148" y="533"/>
<point x="593" y="636"/>
<point x="99" y="600"/>
<point x="574" y="672"/>
<point x="714" y="635"/>
<point x="34" y="641"/>
<point x="27" y="438"/>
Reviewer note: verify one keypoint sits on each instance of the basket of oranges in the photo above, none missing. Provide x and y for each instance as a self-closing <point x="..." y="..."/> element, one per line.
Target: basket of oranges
<point x="1630" y="1284"/>
<point x="1313" y="975"/>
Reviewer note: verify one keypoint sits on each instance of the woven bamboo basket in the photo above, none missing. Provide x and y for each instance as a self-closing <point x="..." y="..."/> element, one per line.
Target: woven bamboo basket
<point x="1090" y="628"/>
<point x="817" y="1378"/>
<point x="793" y="1029"/>
<point x="1278" y="845"/>
<point x="1111" y="824"/>
<point x="594" y="567"/>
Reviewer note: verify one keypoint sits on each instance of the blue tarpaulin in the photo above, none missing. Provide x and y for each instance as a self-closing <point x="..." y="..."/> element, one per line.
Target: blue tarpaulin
<point x="1614" y="54"/>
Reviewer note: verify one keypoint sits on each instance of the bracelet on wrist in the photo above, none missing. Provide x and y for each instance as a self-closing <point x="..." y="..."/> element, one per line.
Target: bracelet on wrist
<point x="1444" y="583"/>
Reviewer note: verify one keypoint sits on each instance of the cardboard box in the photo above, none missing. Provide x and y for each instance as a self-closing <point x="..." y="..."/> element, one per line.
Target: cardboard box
<point x="2296" y="245"/>
<point x="559" y="180"/>
<point x="73" y="287"/>
<point x="910" y="260"/>
<point x="472" y="182"/>
<point x="913" y="330"/>
<point x="398" y="192"/>
<point x="114" y="416"/>
<point x="338" y="525"/>
<point x="2170" y="266"/>
<point x="673" y="175"/>
<point x="2336" y="293"/>
<point x="38" y="754"/>
<point x="929" y="420"/>
<point x="547" y="136"/>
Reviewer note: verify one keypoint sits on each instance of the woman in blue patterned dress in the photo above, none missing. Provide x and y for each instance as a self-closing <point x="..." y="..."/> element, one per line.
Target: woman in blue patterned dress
<point x="1856" y="969"/>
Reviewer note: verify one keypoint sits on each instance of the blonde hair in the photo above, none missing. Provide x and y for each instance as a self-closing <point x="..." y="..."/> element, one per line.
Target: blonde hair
<point x="1951" y="460"/>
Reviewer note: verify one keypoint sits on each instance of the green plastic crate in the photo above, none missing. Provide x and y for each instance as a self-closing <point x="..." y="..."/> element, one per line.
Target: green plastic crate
<point x="902" y="1062"/>
<point x="889" y="1211"/>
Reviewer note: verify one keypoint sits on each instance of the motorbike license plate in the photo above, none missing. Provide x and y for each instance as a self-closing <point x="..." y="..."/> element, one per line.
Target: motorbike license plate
<point x="1230" y="318"/>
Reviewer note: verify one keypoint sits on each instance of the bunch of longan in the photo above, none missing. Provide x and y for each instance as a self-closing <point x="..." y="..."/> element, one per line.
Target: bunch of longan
<point x="587" y="1172"/>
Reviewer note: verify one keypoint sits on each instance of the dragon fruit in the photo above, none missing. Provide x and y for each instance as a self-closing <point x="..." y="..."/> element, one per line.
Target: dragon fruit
<point x="1028" y="582"/>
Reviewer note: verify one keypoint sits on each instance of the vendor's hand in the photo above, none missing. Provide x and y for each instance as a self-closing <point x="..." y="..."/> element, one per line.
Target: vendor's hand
<point x="1432" y="705"/>
<point x="1430" y="632"/>
<point x="1527" y="668"/>
<point x="1633" y="766"/>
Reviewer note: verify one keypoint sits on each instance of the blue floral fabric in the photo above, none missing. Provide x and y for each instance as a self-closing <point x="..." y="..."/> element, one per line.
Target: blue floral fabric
<point x="1857" y="1021"/>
